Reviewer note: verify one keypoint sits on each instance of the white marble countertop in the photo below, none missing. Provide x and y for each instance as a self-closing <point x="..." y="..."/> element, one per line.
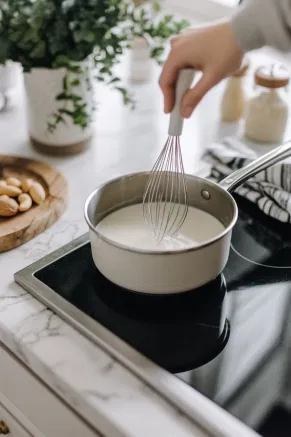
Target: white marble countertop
<point x="102" y="390"/>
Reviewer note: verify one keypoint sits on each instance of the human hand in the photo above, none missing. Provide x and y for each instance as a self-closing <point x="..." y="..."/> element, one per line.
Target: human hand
<point x="211" y="49"/>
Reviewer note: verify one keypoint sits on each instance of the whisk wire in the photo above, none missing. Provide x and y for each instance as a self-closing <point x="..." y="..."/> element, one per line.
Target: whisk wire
<point x="162" y="226"/>
<point x="153" y="195"/>
<point x="169" y="201"/>
<point x="165" y="202"/>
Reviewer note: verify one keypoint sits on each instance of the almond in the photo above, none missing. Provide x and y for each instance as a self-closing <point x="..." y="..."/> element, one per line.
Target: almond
<point x="13" y="181"/>
<point x="8" y="207"/>
<point x="27" y="184"/>
<point x="25" y="202"/>
<point x="37" y="193"/>
<point x="10" y="190"/>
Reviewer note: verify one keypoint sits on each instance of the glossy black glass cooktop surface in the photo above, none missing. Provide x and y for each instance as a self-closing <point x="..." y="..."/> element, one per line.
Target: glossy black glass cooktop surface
<point x="230" y="339"/>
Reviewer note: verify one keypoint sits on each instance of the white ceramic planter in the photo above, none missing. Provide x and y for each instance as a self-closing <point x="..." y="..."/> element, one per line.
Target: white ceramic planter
<point x="42" y="87"/>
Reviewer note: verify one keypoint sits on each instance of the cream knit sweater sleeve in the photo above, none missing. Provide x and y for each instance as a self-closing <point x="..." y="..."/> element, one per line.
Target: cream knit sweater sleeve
<point x="258" y="23"/>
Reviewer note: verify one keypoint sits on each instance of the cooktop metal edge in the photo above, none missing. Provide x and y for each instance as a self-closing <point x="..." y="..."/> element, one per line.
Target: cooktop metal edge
<point x="194" y="405"/>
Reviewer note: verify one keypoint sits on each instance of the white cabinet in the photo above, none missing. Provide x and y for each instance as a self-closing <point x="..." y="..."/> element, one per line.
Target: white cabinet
<point x="10" y="426"/>
<point x="30" y="408"/>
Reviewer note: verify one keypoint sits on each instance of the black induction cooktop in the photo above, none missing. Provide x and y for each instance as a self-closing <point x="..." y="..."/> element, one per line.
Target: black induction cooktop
<point x="229" y="340"/>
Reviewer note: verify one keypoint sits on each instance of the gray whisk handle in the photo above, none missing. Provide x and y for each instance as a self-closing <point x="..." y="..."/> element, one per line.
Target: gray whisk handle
<point x="183" y="84"/>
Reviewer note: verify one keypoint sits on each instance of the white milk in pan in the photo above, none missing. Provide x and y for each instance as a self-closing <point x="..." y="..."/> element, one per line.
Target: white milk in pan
<point x="127" y="227"/>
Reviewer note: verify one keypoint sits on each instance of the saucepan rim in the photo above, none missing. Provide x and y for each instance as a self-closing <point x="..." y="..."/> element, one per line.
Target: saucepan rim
<point x="164" y="252"/>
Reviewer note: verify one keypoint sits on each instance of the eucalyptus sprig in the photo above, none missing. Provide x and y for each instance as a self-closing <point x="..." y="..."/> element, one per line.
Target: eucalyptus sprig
<point x="84" y="37"/>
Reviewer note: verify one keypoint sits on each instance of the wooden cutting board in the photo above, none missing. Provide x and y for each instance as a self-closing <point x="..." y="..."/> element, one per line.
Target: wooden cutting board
<point x="21" y="228"/>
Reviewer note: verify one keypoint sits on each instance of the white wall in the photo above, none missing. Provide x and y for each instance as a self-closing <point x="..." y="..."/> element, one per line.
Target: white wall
<point x="201" y="9"/>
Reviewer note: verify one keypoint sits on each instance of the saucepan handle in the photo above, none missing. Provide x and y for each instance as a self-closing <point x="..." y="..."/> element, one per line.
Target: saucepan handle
<point x="240" y="176"/>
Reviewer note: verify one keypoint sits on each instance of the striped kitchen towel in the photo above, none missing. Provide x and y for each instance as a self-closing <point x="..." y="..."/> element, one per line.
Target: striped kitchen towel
<point x="270" y="190"/>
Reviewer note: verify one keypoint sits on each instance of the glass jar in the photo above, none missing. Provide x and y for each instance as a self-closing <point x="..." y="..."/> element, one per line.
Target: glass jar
<point x="233" y="100"/>
<point x="267" y="112"/>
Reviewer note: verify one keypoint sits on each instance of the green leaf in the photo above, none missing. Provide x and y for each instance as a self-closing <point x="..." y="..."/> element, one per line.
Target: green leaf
<point x="65" y="83"/>
<point x="65" y="33"/>
<point x="114" y="80"/>
<point x="156" y="6"/>
<point x="62" y="96"/>
<point x="75" y="82"/>
<point x="61" y="61"/>
<point x="74" y="68"/>
<point x="66" y="111"/>
<point x="126" y="98"/>
<point x="4" y="50"/>
<point x="156" y="52"/>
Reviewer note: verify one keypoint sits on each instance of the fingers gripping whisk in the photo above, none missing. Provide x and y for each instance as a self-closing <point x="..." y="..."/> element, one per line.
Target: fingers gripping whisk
<point x="165" y="202"/>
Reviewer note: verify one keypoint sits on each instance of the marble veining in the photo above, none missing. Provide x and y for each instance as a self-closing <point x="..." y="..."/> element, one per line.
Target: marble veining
<point x="103" y="391"/>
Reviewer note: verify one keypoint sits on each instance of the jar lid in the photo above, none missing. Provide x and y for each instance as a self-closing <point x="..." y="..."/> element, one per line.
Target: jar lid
<point x="272" y="76"/>
<point x="243" y="69"/>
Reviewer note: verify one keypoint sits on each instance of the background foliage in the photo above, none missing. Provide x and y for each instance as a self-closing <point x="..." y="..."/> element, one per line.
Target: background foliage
<point x="64" y="33"/>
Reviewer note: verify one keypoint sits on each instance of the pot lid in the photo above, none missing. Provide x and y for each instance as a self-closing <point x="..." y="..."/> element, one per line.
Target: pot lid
<point x="272" y="76"/>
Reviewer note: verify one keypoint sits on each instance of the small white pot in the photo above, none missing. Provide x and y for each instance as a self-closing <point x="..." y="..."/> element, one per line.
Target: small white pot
<point x="9" y="76"/>
<point x="42" y="86"/>
<point x="140" y="61"/>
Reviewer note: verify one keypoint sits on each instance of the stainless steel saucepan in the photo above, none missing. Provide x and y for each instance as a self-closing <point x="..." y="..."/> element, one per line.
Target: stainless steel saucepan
<point x="173" y="271"/>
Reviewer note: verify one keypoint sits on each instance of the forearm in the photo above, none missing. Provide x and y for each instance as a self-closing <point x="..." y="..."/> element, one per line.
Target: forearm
<point x="259" y="23"/>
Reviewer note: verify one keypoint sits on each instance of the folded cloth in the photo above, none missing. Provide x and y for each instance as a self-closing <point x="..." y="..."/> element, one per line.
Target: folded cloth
<point x="270" y="190"/>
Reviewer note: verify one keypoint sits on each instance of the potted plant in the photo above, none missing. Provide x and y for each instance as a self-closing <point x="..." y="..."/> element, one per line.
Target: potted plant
<point x="63" y="45"/>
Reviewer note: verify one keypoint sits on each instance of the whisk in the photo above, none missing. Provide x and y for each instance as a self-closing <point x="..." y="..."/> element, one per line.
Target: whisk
<point x="165" y="201"/>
